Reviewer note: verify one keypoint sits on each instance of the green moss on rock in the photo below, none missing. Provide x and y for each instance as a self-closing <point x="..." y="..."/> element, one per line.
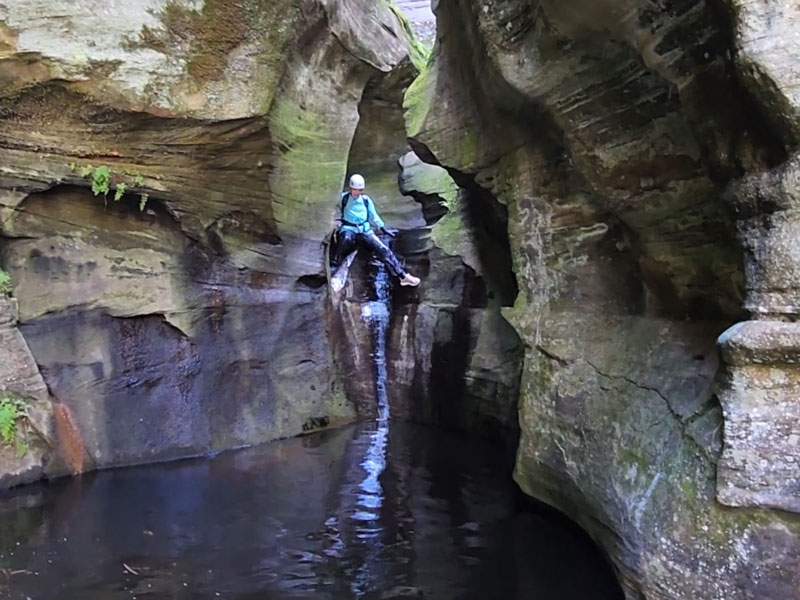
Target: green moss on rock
<point x="217" y="29"/>
<point x="418" y="51"/>
<point x="418" y="100"/>
<point x="311" y="164"/>
<point x="448" y="233"/>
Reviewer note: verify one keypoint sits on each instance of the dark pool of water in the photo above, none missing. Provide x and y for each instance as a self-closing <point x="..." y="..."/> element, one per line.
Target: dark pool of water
<point x="345" y="514"/>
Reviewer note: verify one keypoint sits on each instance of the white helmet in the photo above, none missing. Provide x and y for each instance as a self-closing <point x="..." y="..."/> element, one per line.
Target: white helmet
<point x="357" y="182"/>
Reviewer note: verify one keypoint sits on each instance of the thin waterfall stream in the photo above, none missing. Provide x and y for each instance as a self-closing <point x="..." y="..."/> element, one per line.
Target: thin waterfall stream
<point x="376" y="313"/>
<point x="371" y="495"/>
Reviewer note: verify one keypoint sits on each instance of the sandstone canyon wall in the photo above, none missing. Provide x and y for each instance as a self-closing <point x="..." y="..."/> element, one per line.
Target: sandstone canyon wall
<point x="189" y="314"/>
<point x="644" y="153"/>
<point x="607" y="205"/>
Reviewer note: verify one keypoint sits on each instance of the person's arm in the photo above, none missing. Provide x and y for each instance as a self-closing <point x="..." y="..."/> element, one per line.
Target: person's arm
<point x="373" y="216"/>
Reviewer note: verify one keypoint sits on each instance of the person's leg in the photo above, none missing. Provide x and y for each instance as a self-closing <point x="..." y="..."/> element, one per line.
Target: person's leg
<point x="372" y="242"/>
<point x="345" y="244"/>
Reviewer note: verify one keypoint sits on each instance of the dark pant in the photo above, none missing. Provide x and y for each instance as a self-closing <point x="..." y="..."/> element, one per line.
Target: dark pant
<point x="350" y="240"/>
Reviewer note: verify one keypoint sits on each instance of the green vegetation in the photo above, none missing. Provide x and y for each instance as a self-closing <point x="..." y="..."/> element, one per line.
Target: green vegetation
<point x="101" y="180"/>
<point x="689" y="490"/>
<point x="5" y="283"/>
<point x="448" y="233"/>
<point x="418" y="101"/>
<point x="121" y="187"/>
<point x="419" y="52"/>
<point x="309" y="138"/>
<point x="13" y="410"/>
<point x="633" y="458"/>
<point x="104" y="179"/>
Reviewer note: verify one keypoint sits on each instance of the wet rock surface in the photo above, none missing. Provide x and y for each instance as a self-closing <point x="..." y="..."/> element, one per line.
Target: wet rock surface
<point x="454" y="360"/>
<point x="639" y="150"/>
<point x="598" y="195"/>
<point x="182" y="309"/>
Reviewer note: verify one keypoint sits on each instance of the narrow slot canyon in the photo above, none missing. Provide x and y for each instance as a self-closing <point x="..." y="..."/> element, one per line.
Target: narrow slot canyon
<point x="592" y="394"/>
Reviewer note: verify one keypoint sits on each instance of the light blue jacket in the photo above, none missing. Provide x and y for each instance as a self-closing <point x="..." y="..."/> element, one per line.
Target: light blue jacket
<point x="361" y="216"/>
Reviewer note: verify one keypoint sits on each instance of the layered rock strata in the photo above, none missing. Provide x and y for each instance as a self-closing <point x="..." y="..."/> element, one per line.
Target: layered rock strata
<point x="618" y="136"/>
<point x="181" y="310"/>
<point x="760" y="389"/>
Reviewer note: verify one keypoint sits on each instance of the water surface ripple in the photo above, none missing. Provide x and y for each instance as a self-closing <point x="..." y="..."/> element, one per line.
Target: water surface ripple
<point x="370" y="511"/>
<point x="297" y="519"/>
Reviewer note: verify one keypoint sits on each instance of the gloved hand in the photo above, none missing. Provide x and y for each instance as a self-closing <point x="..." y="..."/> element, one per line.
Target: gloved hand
<point x="391" y="234"/>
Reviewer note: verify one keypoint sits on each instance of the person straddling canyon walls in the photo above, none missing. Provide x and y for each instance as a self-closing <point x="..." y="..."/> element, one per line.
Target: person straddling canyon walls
<point x="358" y="215"/>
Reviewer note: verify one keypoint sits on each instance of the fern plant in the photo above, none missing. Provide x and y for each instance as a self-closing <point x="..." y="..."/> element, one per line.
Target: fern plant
<point x="12" y="411"/>
<point x="121" y="187"/>
<point x="104" y="179"/>
<point x="5" y="283"/>
<point x="101" y="180"/>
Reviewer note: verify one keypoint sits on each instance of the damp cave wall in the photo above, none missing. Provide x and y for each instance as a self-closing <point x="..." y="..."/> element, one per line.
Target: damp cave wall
<point x="189" y="315"/>
<point x="645" y="154"/>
